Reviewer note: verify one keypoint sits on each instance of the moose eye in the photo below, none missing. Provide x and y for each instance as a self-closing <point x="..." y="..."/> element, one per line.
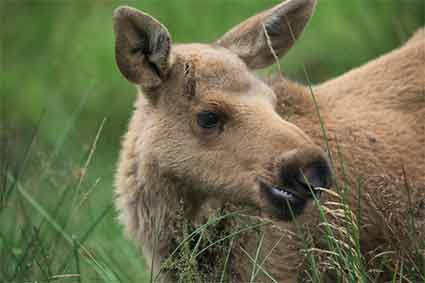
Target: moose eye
<point x="208" y="120"/>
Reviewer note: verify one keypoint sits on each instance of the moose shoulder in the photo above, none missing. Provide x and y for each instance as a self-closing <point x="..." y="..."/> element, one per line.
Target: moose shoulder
<point x="207" y="135"/>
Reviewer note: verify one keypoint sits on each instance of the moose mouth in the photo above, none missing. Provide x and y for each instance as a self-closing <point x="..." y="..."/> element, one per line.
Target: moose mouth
<point x="288" y="203"/>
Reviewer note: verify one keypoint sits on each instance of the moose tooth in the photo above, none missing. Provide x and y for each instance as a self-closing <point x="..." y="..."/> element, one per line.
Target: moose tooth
<point x="283" y="193"/>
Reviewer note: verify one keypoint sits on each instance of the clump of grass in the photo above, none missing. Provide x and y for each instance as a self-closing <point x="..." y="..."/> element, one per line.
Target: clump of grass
<point x="335" y="246"/>
<point x="51" y="214"/>
<point x="203" y="254"/>
<point x="334" y="251"/>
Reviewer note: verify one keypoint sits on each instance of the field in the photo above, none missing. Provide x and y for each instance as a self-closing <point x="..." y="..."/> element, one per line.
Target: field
<point x="64" y="107"/>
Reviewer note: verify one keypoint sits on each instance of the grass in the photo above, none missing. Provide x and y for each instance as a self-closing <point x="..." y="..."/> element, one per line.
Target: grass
<point x="59" y="133"/>
<point x="46" y="238"/>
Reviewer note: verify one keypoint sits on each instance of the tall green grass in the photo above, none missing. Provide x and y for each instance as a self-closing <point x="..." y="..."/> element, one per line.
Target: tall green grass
<point x="57" y="219"/>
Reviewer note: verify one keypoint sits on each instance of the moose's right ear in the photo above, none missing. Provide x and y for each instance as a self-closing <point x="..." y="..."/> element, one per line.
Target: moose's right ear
<point x="142" y="47"/>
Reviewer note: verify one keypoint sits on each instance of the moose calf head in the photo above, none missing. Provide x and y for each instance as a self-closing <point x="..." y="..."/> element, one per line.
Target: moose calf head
<point x="209" y="122"/>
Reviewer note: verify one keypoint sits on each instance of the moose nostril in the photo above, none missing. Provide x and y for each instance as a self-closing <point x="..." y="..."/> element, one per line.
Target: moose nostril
<point x="316" y="175"/>
<point x="304" y="171"/>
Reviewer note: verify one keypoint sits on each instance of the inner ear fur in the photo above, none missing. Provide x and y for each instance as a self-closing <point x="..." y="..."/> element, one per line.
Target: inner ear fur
<point x="142" y="47"/>
<point x="276" y="28"/>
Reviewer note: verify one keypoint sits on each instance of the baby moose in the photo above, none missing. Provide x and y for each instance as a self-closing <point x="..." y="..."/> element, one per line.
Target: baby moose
<point x="224" y="177"/>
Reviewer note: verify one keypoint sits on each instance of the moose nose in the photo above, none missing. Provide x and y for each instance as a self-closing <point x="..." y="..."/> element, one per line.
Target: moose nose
<point x="306" y="171"/>
<point x="315" y="175"/>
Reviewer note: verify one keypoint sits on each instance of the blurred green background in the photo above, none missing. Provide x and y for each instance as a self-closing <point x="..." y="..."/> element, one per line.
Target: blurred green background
<point x="60" y="84"/>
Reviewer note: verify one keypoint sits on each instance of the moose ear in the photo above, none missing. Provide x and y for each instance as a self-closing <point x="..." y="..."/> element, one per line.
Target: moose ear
<point x="272" y="31"/>
<point x="142" y="47"/>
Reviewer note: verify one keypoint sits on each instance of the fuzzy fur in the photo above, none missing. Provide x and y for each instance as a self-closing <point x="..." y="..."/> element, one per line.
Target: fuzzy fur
<point x="171" y="172"/>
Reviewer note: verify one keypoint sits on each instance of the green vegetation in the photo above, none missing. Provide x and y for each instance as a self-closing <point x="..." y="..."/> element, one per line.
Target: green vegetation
<point x="64" y="106"/>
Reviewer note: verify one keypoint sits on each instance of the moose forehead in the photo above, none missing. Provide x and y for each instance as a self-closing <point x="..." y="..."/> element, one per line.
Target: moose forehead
<point x="215" y="67"/>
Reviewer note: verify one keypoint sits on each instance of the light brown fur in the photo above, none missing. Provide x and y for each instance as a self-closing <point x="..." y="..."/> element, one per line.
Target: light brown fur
<point x="373" y="117"/>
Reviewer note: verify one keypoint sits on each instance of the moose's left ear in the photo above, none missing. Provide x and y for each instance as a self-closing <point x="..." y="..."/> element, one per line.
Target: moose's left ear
<point x="276" y="28"/>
